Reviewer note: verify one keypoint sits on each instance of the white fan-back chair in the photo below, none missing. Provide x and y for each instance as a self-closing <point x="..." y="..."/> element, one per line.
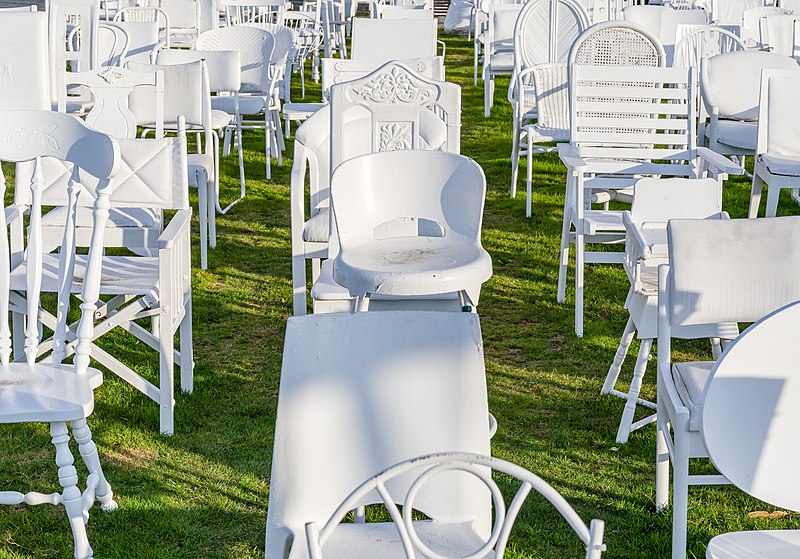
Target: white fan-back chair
<point x="711" y="264"/>
<point x="402" y="483"/>
<point x="52" y="391"/>
<point x="361" y="392"/>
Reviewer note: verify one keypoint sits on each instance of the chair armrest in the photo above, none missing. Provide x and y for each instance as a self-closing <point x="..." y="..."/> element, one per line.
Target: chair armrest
<point x="177" y="225"/>
<point x="635" y="235"/>
<point x="719" y="162"/>
<point x="443" y="45"/>
<point x="570" y="157"/>
<point x="515" y="84"/>
<point x="669" y="395"/>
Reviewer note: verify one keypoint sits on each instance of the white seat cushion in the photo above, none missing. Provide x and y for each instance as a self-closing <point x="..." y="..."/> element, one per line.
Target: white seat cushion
<point x="781" y="164"/>
<point x="690" y="379"/>
<point x="317" y="229"/>
<point x="736" y="133"/>
<point x="220" y="119"/>
<point x="501" y="62"/>
<point x="757" y="544"/>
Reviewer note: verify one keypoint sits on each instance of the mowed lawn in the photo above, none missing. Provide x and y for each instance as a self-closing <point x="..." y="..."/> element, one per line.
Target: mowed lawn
<point x="203" y="493"/>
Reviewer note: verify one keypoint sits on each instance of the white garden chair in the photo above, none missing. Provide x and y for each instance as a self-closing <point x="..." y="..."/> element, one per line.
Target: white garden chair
<point x="407" y="482"/>
<point x="777" y="160"/>
<point x="663" y="23"/>
<point x="380" y="40"/>
<point x="705" y="42"/>
<point x="655" y="202"/>
<point x="750" y="428"/>
<point x="778" y="33"/>
<point x="55" y="392"/>
<point x="711" y="264"/>
<point x="112" y="43"/>
<point x="184" y="20"/>
<point x="62" y="16"/>
<point x="148" y="14"/>
<point x="24" y="48"/>
<point x="240" y="12"/>
<point x="309" y="40"/>
<point x="142" y="40"/>
<point x="352" y="403"/>
<point x="480" y="24"/>
<point x="750" y="30"/>
<point x="729" y="12"/>
<point x="543" y="33"/>
<point x="498" y="49"/>
<point x="408" y="224"/>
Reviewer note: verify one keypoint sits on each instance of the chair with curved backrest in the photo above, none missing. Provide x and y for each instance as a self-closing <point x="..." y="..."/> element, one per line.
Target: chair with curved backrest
<point x="663" y="23"/>
<point x="361" y="392"/>
<point x="498" y="50"/>
<point x="142" y="40"/>
<point x="778" y="33"/>
<point x="51" y="391"/>
<point x="148" y="14"/>
<point x="404" y="483"/>
<point x="184" y="20"/>
<point x="311" y="222"/>
<point x="543" y="33"/>
<point x="704" y="42"/>
<point x="730" y="87"/>
<point x="711" y="264"/>
<point x="750" y="428"/>
<point x="112" y="43"/>
<point x="409" y="225"/>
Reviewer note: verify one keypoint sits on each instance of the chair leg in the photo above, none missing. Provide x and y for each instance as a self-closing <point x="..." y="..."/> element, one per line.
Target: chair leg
<point x="680" y="490"/>
<point x="71" y="495"/>
<point x="619" y="357"/>
<point x="187" y="350"/>
<point x="226" y="145"/>
<point x="515" y="148"/>
<point x="202" y="203"/>
<point x="773" y="195"/>
<point x="212" y="200"/>
<point x="166" y="387"/>
<point x="299" y="285"/>
<point x="529" y="179"/>
<point x="662" y="461"/>
<point x="755" y="194"/>
<point x="629" y="411"/>
<point x="476" y="52"/>
<point x="563" y="259"/>
<point x="83" y="436"/>
<point x="487" y="105"/>
<point x="267" y="144"/>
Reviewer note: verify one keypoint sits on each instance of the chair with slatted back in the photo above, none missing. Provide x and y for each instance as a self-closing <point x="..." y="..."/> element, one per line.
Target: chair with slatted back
<point x="51" y="390"/>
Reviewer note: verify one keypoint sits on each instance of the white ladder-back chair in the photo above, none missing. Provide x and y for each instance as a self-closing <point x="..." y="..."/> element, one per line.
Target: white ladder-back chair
<point x="655" y="202"/>
<point x="52" y="391"/>
<point x="402" y="483"/>
<point x="543" y="33"/>
<point x="361" y="392"/>
<point x="777" y="160"/>
<point x="409" y="225"/>
<point x="750" y="428"/>
<point x="712" y="263"/>
<point x="62" y="16"/>
<point x="311" y="221"/>
<point x="396" y="39"/>
<point x="24" y="56"/>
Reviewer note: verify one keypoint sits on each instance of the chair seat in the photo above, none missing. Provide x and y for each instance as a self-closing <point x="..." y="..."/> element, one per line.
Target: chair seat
<point x="132" y="275"/>
<point x="44" y="393"/>
<point x="220" y="119"/>
<point x="596" y="221"/>
<point x="781" y="164"/>
<point x="412" y="266"/>
<point x="759" y="544"/>
<point x="201" y="160"/>
<point x="248" y="104"/>
<point x="117" y="217"/>
<point x="502" y="61"/>
<point x="300" y="110"/>
<point x="736" y="133"/>
<point x="690" y="379"/>
<point x="381" y="539"/>
<point x="317" y="229"/>
<point x="547" y="135"/>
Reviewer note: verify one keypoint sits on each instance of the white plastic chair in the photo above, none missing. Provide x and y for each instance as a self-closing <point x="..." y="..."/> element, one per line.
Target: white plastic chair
<point x="777" y="160"/>
<point x="498" y="50"/>
<point x="778" y="33"/>
<point x="655" y="202"/>
<point x="404" y="483"/>
<point x="380" y="40"/>
<point x="750" y="428"/>
<point x="55" y="392"/>
<point x="712" y="263"/>
<point x="409" y="225"/>
<point x="361" y="392"/>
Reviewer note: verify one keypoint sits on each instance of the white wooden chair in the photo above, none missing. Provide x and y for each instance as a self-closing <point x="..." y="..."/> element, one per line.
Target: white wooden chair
<point x="379" y="40"/>
<point x="408" y="224"/>
<point x="148" y="14"/>
<point x="51" y="391"/>
<point x="184" y="20"/>
<point x="543" y="33"/>
<point x="361" y="392"/>
<point x="750" y="428"/>
<point x="406" y="484"/>
<point x="24" y="45"/>
<point x="729" y="12"/>
<point x="712" y="263"/>
<point x="62" y="16"/>
<point x="142" y="40"/>
<point x="498" y="50"/>
<point x="777" y="160"/>
<point x="705" y="42"/>
<point x="112" y="43"/>
<point x="655" y="202"/>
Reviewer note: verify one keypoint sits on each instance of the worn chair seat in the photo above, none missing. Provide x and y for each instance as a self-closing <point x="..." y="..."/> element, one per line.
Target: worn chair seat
<point x="736" y="133"/>
<point x="220" y="119"/>
<point x="690" y="379"/>
<point x="761" y="544"/>
<point x="248" y="104"/>
<point x="502" y="61"/>
<point x="545" y="134"/>
<point x="781" y="164"/>
<point x="44" y="393"/>
<point x="317" y="229"/>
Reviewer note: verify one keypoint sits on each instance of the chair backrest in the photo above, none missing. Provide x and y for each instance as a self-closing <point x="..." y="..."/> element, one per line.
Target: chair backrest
<point x="729" y="12"/>
<point x="657" y="200"/>
<point x="405" y="12"/>
<point x="393" y="39"/>
<point x="731" y="81"/>
<point x="340" y="70"/>
<point x="24" y="58"/>
<point x="731" y="270"/>
<point x="360" y="392"/>
<point x="750" y="412"/>
<point x="112" y="43"/>
<point x="224" y="66"/>
<point x="779" y="33"/>
<point x="254" y="46"/>
<point x="29" y="136"/>
<point x="392" y="102"/>
<point x="408" y="477"/>
<point x="617" y="43"/>
<point x="705" y="42"/>
<point x="778" y="125"/>
<point x="751" y="21"/>
<point x="239" y="12"/>
<point x="184" y="15"/>
<point x="62" y="16"/>
<point x="142" y="40"/>
<point x="545" y="30"/>
<point x="286" y="40"/>
<point x="502" y="21"/>
<point x="551" y="88"/>
<point x="407" y="193"/>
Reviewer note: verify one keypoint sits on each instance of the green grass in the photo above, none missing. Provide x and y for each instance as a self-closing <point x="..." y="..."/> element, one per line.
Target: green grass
<point x="203" y="493"/>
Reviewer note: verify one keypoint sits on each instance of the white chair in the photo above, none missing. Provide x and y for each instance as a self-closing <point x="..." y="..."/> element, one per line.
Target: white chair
<point x="309" y="41"/>
<point x="712" y="263"/>
<point x="539" y="38"/>
<point x="142" y="40"/>
<point x="406" y="483"/>
<point x="750" y="428"/>
<point x="148" y="14"/>
<point x="380" y="40"/>
<point x="409" y="225"/>
<point x="184" y="20"/>
<point x="730" y="86"/>
<point x="403" y="12"/>
<point x="498" y="49"/>
<point x="361" y="392"/>
<point x="729" y="12"/>
<point x="655" y="202"/>
<point x="240" y="12"/>
<point x="778" y="33"/>
<point x="61" y="16"/>
<point x="479" y="27"/>
<point x="750" y="31"/>
<point x="51" y="391"/>
<point x="705" y="42"/>
<point x="112" y="43"/>
<point x="777" y="156"/>
<point x="24" y="48"/>
<point x="614" y="143"/>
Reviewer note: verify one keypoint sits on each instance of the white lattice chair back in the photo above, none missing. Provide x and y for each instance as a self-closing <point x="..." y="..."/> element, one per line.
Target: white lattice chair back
<point x="255" y="47"/>
<point x="617" y="43"/>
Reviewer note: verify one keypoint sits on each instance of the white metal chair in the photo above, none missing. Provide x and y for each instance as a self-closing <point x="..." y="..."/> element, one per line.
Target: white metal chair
<point x="409" y="225"/>
<point x="112" y="43"/>
<point x="543" y="33"/>
<point x="240" y="12"/>
<point x="777" y="160"/>
<point x="381" y="40"/>
<point x="406" y="482"/>
<point x="750" y="428"/>
<point x="55" y="392"/>
<point x="309" y="40"/>
<point x="361" y="392"/>
<point x="142" y="40"/>
<point x="712" y="263"/>
<point x="663" y="23"/>
<point x="705" y="42"/>
<point x="655" y="202"/>
<point x="148" y="14"/>
<point x="498" y="49"/>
